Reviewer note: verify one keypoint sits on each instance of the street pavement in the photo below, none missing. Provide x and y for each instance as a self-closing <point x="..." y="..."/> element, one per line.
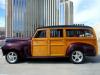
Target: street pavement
<point x="50" y="67"/>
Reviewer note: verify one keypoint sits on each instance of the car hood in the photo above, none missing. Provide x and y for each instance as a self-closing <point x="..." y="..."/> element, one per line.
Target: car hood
<point x="16" y="39"/>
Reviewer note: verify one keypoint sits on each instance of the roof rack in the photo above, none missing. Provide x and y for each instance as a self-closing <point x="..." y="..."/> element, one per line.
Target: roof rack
<point x="73" y="25"/>
<point x="79" y="24"/>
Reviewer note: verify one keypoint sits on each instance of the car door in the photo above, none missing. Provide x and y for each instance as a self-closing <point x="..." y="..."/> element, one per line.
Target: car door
<point x="57" y="44"/>
<point x="40" y="44"/>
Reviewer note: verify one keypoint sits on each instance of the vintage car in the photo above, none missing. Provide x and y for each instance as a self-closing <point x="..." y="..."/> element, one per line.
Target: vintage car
<point x="73" y="41"/>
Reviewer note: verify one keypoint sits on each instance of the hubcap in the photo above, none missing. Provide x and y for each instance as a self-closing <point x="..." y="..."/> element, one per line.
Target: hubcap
<point x="12" y="57"/>
<point x="77" y="56"/>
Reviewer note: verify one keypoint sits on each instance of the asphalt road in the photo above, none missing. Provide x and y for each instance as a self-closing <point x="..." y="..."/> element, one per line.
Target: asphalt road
<point x="50" y="67"/>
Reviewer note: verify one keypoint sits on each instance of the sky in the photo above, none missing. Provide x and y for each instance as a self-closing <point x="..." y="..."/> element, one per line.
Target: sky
<point x="85" y="12"/>
<point x="2" y="13"/>
<point x="88" y="12"/>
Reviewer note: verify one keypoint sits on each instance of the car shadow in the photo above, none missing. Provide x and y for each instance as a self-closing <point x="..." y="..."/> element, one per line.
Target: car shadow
<point x="95" y="59"/>
<point x="46" y="61"/>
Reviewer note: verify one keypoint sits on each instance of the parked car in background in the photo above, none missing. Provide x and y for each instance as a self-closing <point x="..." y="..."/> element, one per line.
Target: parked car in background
<point x="73" y="41"/>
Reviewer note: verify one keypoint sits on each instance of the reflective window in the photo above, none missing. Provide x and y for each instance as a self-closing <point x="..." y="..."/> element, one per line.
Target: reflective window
<point x="56" y="33"/>
<point x="62" y="14"/>
<point x="79" y="33"/>
<point x="18" y="17"/>
<point x="41" y="34"/>
<point x="27" y="15"/>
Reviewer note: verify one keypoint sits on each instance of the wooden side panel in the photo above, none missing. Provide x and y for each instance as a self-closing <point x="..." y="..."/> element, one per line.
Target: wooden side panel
<point x="40" y="47"/>
<point x="57" y="47"/>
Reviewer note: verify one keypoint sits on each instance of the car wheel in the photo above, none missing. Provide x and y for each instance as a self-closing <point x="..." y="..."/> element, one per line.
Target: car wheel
<point x="77" y="57"/>
<point x="12" y="57"/>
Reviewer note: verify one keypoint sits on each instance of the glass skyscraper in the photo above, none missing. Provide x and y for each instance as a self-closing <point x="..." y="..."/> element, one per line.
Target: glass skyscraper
<point x="24" y="16"/>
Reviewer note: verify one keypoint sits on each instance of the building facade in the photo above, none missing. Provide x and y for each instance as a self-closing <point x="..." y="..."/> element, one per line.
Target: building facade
<point x="8" y="18"/>
<point x="24" y="16"/>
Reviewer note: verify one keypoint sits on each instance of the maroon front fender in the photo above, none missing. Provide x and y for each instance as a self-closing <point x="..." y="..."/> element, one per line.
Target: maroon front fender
<point x="23" y="47"/>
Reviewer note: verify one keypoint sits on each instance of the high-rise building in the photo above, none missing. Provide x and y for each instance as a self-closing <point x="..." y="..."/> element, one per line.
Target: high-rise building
<point x="24" y="16"/>
<point x="66" y="12"/>
<point x="8" y="18"/>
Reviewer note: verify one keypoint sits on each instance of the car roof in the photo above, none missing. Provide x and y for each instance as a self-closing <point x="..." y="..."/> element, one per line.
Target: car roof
<point x="68" y="26"/>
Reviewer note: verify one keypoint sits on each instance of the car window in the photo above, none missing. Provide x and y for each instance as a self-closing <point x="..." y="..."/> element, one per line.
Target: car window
<point x="79" y="33"/>
<point x="41" y="34"/>
<point x="56" y="33"/>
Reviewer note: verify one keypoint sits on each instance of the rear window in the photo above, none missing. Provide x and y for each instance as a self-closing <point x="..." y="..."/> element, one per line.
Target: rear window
<point x="79" y="33"/>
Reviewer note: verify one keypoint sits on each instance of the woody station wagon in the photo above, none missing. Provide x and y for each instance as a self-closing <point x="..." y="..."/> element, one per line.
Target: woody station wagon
<point x="72" y="41"/>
